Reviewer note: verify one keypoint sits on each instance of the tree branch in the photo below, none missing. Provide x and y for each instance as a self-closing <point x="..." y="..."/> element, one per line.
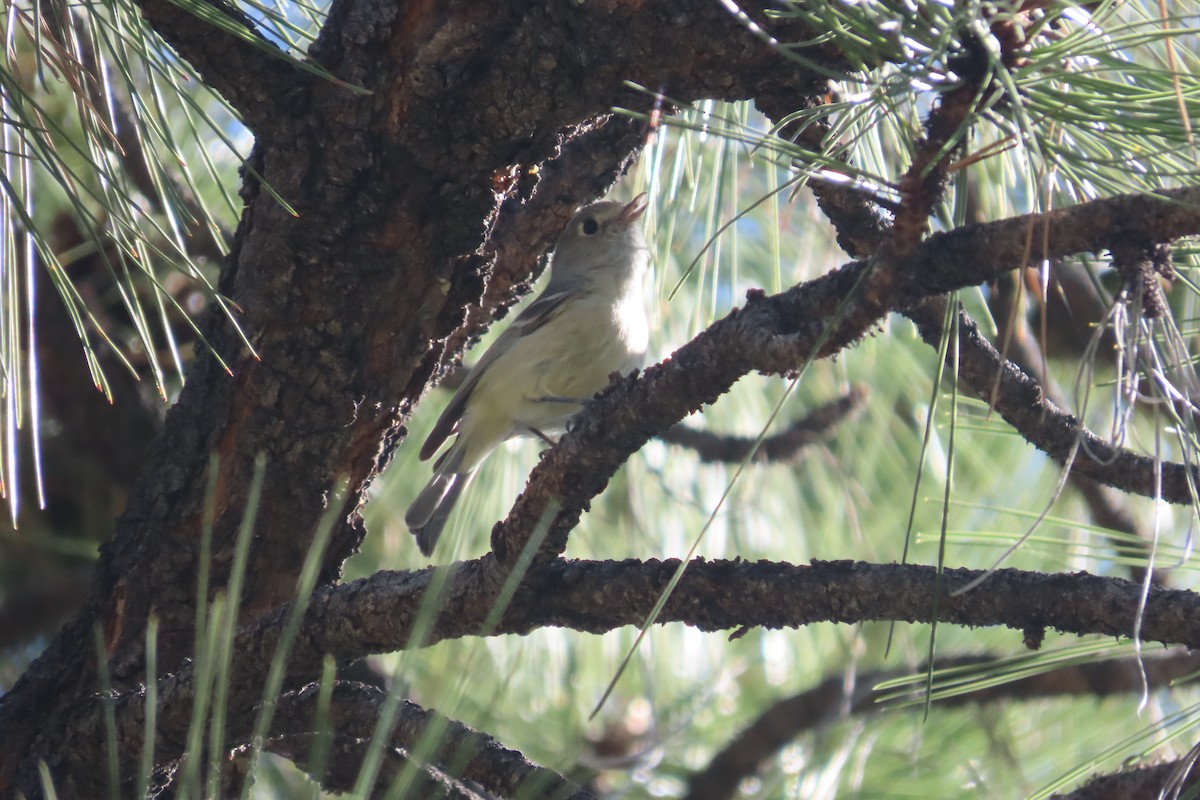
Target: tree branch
<point x="720" y="595"/>
<point x="1107" y="507"/>
<point x="1020" y="401"/>
<point x="784" y="446"/>
<point x="380" y="614"/>
<point x="840" y="696"/>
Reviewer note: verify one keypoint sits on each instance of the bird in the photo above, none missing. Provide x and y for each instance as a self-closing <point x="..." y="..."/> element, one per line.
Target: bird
<point x="588" y="323"/>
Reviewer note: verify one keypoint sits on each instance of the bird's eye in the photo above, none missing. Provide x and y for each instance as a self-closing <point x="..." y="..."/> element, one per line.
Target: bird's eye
<point x="589" y="226"/>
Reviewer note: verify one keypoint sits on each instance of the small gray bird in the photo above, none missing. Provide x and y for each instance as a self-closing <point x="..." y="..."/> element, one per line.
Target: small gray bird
<point x="589" y="322"/>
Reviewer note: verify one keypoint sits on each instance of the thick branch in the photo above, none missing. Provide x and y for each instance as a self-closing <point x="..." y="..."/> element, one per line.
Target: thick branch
<point x="719" y="595"/>
<point x="380" y="614"/>
<point x="976" y="254"/>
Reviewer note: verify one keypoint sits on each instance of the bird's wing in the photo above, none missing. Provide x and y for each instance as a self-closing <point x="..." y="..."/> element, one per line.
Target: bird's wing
<point x="545" y="308"/>
<point x="451" y="414"/>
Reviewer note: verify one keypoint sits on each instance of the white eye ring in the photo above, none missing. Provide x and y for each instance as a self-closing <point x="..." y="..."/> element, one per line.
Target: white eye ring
<point x="589" y="227"/>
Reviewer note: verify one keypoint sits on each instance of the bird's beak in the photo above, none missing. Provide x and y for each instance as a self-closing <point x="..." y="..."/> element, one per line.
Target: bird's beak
<point x="634" y="210"/>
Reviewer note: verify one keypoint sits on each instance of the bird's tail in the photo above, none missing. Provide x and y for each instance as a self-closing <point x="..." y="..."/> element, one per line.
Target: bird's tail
<point x="428" y="513"/>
